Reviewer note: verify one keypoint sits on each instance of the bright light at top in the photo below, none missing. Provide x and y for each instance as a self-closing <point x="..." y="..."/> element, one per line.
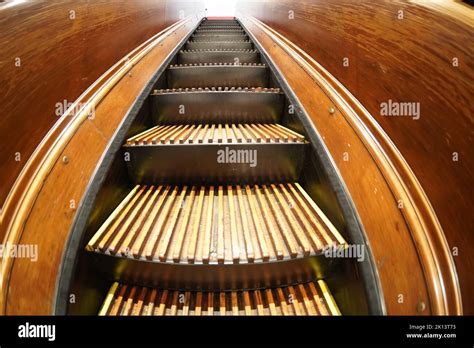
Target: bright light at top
<point x="220" y="7"/>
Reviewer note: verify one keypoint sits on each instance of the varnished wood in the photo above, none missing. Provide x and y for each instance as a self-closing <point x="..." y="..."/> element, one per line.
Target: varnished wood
<point x="225" y="134"/>
<point x="46" y="221"/>
<point x="433" y="257"/>
<point x="303" y="299"/>
<point x="395" y="220"/>
<point x="94" y="37"/>
<point x="238" y="221"/>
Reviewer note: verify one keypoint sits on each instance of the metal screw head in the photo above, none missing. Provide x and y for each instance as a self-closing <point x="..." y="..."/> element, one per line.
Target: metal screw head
<point x="421" y="306"/>
<point x="65" y="159"/>
<point x="332" y="110"/>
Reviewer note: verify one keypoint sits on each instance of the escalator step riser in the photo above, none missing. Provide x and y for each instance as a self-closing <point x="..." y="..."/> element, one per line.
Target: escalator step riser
<point x="219" y="21"/>
<point x="194" y="106"/>
<point x="215" y="154"/>
<point x="220" y="30"/>
<point x="217" y="26"/>
<point x="217" y="37"/>
<point x="215" y="163"/>
<point x="312" y="298"/>
<point x="218" y="76"/>
<point x="218" y="56"/>
<point x="223" y="45"/>
<point x="216" y="224"/>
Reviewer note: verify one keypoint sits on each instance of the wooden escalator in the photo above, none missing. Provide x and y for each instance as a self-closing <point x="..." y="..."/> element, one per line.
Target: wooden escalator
<point x="220" y="216"/>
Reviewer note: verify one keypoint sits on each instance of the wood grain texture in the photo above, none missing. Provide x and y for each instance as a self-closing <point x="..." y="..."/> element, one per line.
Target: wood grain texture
<point x="409" y="59"/>
<point x="246" y="133"/>
<point x="47" y="215"/>
<point x="63" y="47"/>
<point x="150" y="224"/>
<point x="312" y="298"/>
<point x="405" y="281"/>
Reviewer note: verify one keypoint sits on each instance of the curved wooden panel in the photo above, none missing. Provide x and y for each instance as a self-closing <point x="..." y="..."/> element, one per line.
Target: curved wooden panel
<point x="44" y="214"/>
<point x="54" y="50"/>
<point x="421" y="224"/>
<point x="388" y="62"/>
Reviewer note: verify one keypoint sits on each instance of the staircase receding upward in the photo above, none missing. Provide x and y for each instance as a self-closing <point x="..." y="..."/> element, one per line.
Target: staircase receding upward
<point x="216" y="188"/>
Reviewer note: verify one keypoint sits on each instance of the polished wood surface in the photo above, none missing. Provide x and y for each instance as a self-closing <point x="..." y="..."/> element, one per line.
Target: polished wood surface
<point x="216" y="225"/>
<point x="412" y="284"/>
<point x="40" y="215"/>
<point x="52" y="51"/>
<point x="241" y="133"/>
<point x="44" y="214"/>
<point x="422" y="58"/>
<point x="312" y="298"/>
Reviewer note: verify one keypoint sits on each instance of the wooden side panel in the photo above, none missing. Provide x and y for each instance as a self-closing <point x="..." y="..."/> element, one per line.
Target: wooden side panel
<point x="47" y="214"/>
<point x="373" y="199"/>
<point x="403" y="52"/>
<point x="52" y="51"/>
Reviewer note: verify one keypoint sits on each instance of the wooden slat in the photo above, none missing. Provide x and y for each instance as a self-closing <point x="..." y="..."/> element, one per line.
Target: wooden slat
<point x="286" y="233"/>
<point x="138" y="245"/>
<point x="137" y="229"/>
<point x="301" y="299"/>
<point x="220" y="224"/>
<point x="116" y="305"/>
<point x="126" y="310"/>
<point x="215" y="134"/>
<point x="317" y="299"/>
<point x="297" y="231"/>
<point x="160" y="223"/>
<point x="226" y="224"/>
<point x="271" y="302"/>
<point x="137" y="306"/>
<point x="235" y="303"/>
<point x="245" y="226"/>
<point x="330" y="302"/>
<point x="127" y="223"/>
<point x="105" y="233"/>
<point x="206" y="246"/>
<point x="233" y="226"/>
<point x="260" y="227"/>
<point x="164" y="244"/>
<point x="177" y="244"/>
<point x="151" y="302"/>
<point x="198" y="306"/>
<point x="210" y="303"/>
<point x="191" y="252"/>
<point x="109" y="299"/>
<point x="272" y="227"/>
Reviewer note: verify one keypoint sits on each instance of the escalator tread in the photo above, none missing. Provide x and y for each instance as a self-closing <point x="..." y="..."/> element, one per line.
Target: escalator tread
<point x="216" y="224"/>
<point x="241" y="133"/>
<point x="230" y="99"/>
<point x="313" y="298"/>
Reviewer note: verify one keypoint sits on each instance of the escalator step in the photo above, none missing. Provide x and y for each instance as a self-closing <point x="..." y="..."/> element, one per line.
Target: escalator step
<point x="220" y="22"/>
<point x="215" y="75"/>
<point x="220" y="30"/>
<point x="218" y="37"/>
<point x="220" y="26"/>
<point x="219" y="56"/>
<point x="217" y="134"/>
<point x="216" y="224"/>
<point x="313" y="298"/>
<point x="213" y="105"/>
<point x="222" y="45"/>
